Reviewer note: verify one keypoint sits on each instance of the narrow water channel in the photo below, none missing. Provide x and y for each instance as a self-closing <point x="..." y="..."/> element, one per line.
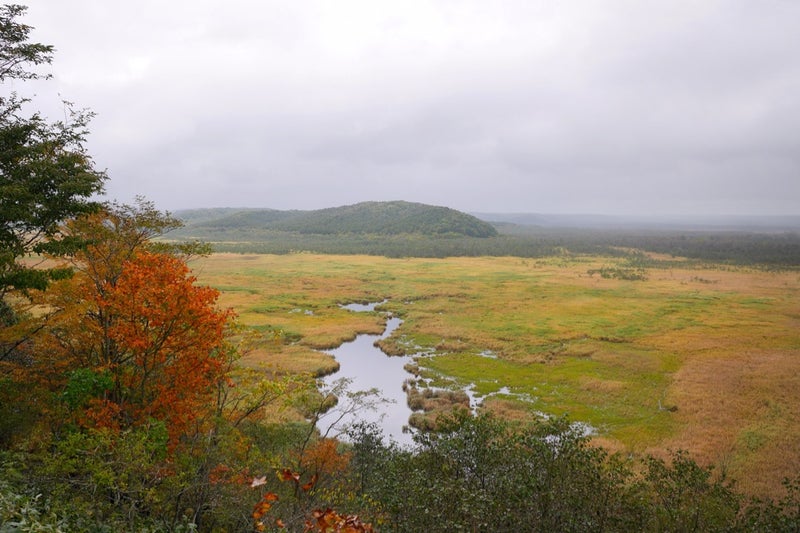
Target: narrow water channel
<point x="367" y="367"/>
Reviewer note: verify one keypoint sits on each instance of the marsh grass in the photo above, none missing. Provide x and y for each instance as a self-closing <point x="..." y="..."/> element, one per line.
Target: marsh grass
<point x="686" y="358"/>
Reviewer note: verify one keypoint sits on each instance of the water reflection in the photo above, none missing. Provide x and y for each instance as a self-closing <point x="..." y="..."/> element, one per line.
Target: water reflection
<point x="360" y="308"/>
<point x="367" y="367"/>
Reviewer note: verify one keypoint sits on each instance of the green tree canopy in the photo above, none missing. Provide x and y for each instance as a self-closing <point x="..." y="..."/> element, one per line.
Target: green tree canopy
<point x="46" y="174"/>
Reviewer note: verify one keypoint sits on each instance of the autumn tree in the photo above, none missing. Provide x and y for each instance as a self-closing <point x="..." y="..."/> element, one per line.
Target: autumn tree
<point x="133" y="374"/>
<point x="166" y="340"/>
<point x="135" y="336"/>
<point x="126" y="374"/>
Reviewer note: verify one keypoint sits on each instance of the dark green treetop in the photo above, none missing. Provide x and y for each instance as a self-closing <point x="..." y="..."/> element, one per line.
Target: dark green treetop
<point x="16" y="53"/>
<point x="46" y="174"/>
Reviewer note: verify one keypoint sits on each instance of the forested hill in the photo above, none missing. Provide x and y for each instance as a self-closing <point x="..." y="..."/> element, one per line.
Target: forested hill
<point x="368" y="218"/>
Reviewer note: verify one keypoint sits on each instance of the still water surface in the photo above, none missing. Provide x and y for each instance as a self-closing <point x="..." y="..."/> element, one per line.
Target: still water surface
<point x="368" y="367"/>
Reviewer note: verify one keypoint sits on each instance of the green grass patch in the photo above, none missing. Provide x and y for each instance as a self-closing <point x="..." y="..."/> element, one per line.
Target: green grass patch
<point x="619" y="398"/>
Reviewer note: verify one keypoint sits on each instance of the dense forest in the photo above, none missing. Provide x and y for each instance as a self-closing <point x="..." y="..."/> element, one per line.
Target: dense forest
<point x="123" y="408"/>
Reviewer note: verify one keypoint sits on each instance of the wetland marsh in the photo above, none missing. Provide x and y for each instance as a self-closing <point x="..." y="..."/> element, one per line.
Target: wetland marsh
<point x="698" y="357"/>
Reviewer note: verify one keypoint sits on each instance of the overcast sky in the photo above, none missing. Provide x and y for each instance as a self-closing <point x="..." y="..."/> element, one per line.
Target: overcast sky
<point x="559" y="106"/>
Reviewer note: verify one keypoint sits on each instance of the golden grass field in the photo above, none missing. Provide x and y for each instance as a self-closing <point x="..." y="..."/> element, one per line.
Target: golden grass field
<point x="703" y="359"/>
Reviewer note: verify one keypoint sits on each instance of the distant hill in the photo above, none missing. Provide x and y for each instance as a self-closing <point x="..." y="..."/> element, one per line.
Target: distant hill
<point x="366" y="218"/>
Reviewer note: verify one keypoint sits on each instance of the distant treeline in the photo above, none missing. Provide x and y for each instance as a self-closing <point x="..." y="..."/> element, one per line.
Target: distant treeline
<point x="772" y="250"/>
<point x="731" y="247"/>
<point x="734" y="247"/>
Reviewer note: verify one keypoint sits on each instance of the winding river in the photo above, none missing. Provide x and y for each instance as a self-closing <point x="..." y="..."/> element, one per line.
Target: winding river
<point x="367" y="367"/>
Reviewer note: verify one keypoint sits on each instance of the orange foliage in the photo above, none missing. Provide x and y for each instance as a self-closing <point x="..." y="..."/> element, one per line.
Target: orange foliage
<point x="102" y="413"/>
<point x="160" y="336"/>
<point x="323" y="457"/>
<point x="168" y="337"/>
<point x="329" y="521"/>
<point x="320" y="521"/>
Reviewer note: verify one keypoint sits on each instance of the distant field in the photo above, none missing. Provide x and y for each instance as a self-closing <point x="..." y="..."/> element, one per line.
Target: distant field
<point x="700" y="358"/>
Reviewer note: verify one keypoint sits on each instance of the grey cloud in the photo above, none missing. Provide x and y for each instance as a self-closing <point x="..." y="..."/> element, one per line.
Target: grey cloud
<point x="670" y="107"/>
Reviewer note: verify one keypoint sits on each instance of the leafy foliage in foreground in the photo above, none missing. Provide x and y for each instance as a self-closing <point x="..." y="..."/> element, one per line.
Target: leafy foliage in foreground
<point x="473" y="474"/>
<point x="484" y="474"/>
